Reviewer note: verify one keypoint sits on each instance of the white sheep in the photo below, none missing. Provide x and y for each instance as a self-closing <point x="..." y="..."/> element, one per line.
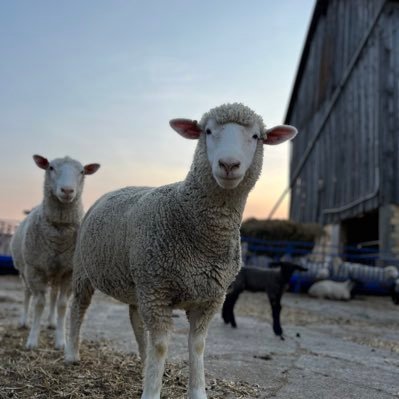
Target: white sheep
<point x="328" y="289"/>
<point x="43" y="244"/>
<point x="175" y="246"/>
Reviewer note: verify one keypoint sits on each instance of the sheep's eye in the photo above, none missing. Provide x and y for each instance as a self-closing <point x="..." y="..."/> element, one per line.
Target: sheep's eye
<point x="208" y="131"/>
<point x="255" y="136"/>
<point x="82" y="172"/>
<point x="51" y="168"/>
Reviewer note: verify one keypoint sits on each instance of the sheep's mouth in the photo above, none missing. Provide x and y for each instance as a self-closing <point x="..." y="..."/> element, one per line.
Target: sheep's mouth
<point x="66" y="199"/>
<point x="228" y="182"/>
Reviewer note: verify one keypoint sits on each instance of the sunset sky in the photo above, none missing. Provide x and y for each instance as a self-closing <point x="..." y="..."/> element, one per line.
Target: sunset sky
<point x="99" y="80"/>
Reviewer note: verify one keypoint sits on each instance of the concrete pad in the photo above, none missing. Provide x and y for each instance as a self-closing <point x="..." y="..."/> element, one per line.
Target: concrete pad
<point x="336" y="350"/>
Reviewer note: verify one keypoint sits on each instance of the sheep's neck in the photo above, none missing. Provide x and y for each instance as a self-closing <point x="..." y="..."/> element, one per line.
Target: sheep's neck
<point x="212" y="209"/>
<point x="57" y="213"/>
<point x="219" y="210"/>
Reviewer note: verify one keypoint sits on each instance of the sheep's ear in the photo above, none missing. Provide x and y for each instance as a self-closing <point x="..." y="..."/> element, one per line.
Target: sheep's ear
<point x="187" y="128"/>
<point x="91" y="168"/>
<point x="41" y="162"/>
<point x="279" y="134"/>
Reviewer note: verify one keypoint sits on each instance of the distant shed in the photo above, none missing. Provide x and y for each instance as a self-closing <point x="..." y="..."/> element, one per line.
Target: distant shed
<point x="344" y="169"/>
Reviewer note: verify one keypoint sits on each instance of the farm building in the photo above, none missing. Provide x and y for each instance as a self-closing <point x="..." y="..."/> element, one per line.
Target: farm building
<point x="344" y="168"/>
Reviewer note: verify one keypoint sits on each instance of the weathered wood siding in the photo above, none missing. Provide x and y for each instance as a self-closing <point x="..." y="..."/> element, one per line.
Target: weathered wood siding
<point x="353" y="167"/>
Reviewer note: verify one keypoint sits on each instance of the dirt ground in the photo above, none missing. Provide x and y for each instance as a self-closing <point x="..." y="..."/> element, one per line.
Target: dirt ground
<point x="337" y="350"/>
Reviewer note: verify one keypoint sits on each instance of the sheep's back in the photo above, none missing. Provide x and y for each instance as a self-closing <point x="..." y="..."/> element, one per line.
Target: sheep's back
<point x="257" y="279"/>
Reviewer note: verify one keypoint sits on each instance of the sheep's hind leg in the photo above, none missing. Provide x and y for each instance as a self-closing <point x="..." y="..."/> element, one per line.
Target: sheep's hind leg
<point x="228" y="308"/>
<point x="159" y="327"/>
<point x="275" y="302"/>
<point x="53" y="301"/>
<point x="199" y="320"/>
<point x="139" y="331"/>
<point x="82" y="292"/>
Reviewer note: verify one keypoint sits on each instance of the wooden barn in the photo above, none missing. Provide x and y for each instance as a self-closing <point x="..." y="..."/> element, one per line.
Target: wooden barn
<point x="344" y="167"/>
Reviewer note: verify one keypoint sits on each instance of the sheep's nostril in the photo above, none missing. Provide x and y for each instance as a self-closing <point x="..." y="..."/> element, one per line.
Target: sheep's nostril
<point x="67" y="191"/>
<point x="229" y="166"/>
<point x="235" y="165"/>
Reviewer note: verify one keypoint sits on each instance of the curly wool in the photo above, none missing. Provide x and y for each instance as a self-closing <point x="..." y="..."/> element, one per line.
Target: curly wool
<point x="234" y="113"/>
<point x="132" y="238"/>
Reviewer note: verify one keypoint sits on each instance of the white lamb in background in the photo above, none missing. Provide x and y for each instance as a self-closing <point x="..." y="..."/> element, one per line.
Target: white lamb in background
<point x="328" y="289"/>
<point x="43" y="244"/>
<point x="175" y="246"/>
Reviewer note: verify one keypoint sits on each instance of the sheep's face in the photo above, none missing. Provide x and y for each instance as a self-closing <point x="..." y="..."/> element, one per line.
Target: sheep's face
<point x="64" y="177"/>
<point x="231" y="146"/>
<point x="230" y="149"/>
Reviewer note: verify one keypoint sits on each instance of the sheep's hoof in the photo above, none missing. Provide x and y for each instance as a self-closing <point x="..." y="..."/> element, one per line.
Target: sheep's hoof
<point x="71" y="356"/>
<point x="22" y="326"/>
<point x="197" y="394"/>
<point x="59" y="346"/>
<point x="51" y="326"/>
<point x="31" y="345"/>
<point x="70" y="359"/>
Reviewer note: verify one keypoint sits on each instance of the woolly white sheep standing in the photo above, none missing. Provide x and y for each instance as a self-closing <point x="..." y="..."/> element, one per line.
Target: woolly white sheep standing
<point x="175" y="246"/>
<point x="43" y="244"/>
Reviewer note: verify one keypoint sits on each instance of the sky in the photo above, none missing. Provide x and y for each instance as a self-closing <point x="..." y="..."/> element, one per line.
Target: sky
<point x="99" y="80"/>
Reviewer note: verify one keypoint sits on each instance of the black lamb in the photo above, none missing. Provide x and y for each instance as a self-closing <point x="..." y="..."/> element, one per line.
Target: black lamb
<point x="273" y="281"/>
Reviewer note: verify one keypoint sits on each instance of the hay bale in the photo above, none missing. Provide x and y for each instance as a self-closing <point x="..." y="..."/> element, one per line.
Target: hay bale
<point x="284" y="230"/>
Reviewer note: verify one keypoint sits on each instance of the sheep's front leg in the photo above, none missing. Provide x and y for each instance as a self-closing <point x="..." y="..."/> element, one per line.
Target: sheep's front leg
<point x="199" y="320"/>
<point x="65" y="292"/>
<point x="23" y="322"/>
<point x="38" y="288"/>
<point x="159" y="328"/>
<point x="53" y="301"/>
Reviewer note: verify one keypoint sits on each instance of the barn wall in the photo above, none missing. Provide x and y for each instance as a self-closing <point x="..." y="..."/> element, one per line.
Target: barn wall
<point x="343" y="176"/>
<point x="389" y="148"/>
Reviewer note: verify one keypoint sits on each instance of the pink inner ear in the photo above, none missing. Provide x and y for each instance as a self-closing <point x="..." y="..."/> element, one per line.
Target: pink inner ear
<point x="40" y="161"/>
<point x="91" y="168"/>
<point x="279" y="134"/>
<point x="186" y="128"/>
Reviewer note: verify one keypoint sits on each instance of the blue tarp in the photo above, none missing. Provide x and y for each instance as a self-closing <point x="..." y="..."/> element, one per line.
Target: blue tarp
<point x="6" y="265"/>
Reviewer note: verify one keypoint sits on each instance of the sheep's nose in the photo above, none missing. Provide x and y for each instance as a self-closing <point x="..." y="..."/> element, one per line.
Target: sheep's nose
<point x="229" y="164"/>
<point x="67" y="190"/>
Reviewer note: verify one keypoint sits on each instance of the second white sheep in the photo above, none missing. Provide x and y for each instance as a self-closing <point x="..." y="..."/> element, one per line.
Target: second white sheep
<point x="43" y="244"/>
